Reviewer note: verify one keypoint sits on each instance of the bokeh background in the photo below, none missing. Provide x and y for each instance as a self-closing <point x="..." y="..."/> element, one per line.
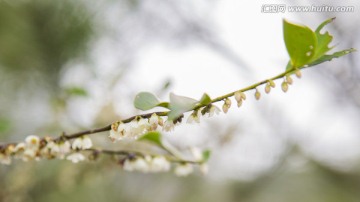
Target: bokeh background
<point x="74" y="65"/>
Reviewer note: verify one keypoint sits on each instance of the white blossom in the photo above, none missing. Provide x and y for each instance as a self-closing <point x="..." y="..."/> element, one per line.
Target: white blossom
<point x="155" y="121"/>
<point x="168" y="126"/>
<point x="76" y="157"/>
<point x="58" y="150"/>
<point x="50" y="150"/>
<point x="159" y="164"/>
<point x="138" y="164"/>
<point x="147" y="164"/>
<point x="31" y="147"/>
<point x="138" y="128"/>
<point x="194" y="117"/>
<point x="115" y="136"/>
<point x="64" y="148"/>
<point x="19" y="150"/>
<point x="184" y="169"/>
<point x="32" y="141"/>
<point x="83" y="142"/>
<point x="204" y="168"/>
<point x="213" y="110"/>
<point x="196" y="152"/>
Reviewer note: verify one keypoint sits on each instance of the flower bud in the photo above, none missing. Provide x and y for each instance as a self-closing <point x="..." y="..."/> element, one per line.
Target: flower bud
<point x="243" y="95"/>
<point x="289" y="79"/>
<point x="238" y="96"/>
<point x="257" y="94"/>
<point x="239" y="103"/>
<point x="298" y="73"/>
<point x="225" y="108"/>
<point x="284" y="86"/>
<point x="272" y="83"/>
<point x="267" y="88"/>
<point x="228" y="102"/>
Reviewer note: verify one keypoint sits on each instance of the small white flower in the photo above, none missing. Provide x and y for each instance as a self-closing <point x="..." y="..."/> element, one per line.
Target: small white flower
<point x="138" y="164"/>
<point x="184" y="169"/>
<point x="29" y="154"/>
<point x="114" y="135"/>
<point x="128" y="166"/>
<point x="154" y="121"/>
<point x="225" y="108"/>
<point x="139" y="128"/>
<point x="213" y="110"/>
<point x="194" y="117"/>
<point x="19" y="148"/>
<point x="196" y="152"/>
<point x="58" y="150"/>
<point x="204" y="168"/>
<point x="83" y="142"/>
<point x="76" y="157"/>
<point x="168" y="126"/>
<point x="64" y="148"/>
<point x="159" y="164"/>
<point x="32" y="141"/>
<point x="141" y="165"/>
<point x="50" y="150"/>
<point x="30" y="149"/>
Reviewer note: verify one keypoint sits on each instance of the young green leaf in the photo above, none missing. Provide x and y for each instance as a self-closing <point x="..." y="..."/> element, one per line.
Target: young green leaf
<point x="300" y="42"/>
<point x="179" y="105"/>
<point x="323" y="40"/>
<point x="145" y="101"/>
<point x="153" y="137"/>
<point x="164" y="104"/>
<point x="206" y="155"/>
<point x="325" y="58"/>
<point x="77" y="91"/>
<point x="205" y="99"/>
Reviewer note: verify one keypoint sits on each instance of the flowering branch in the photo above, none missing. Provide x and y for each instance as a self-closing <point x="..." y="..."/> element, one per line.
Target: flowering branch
<point x="305" y="50"/>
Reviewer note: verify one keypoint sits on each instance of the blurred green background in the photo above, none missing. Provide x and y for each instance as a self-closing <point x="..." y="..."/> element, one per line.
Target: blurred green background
<point x="71" y="65"/>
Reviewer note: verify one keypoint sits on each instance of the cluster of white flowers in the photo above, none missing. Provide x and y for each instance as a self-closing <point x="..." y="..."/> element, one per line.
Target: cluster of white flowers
<point x="82" y="143"/>
<point x="137" y="127"/>
<point x="155" y="164"/>
<point x="147" y="164"/>
<point x="194" y="117"/>
<point x="34" y="148"/>
<point x="226" y="106"/>
<point x="183" y="169"/>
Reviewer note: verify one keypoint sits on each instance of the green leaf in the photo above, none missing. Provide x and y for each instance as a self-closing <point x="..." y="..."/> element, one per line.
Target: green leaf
<point x="153" y="137"/>
<point x="205" y="99"/>
<point x="145" y="101"/>
<point x="296" y="39"/>
<point x="300" y="42"/>
<point x="289" y="66"/>
<point x="206" y="155"/>
<point x="78" y="91"/>
<point x="323" y="40"/>
<point x="179" y="105"/>
<point x="164" y="104"/>
<point x="325" y="58"/>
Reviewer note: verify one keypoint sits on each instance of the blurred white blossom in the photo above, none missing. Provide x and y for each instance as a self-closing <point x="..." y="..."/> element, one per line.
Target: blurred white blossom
<point x="82" y="143"/>
<point x="184" y="169"/>
<point x="76" y="157"/>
